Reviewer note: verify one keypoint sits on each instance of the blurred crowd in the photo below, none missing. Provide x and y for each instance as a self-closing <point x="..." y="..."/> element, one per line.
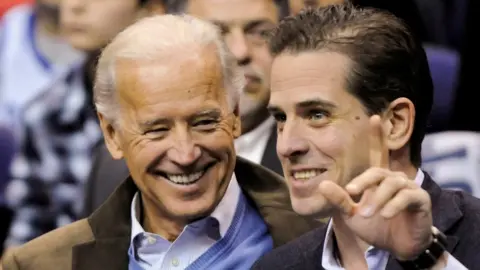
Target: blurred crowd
<point x="54" y="167"/>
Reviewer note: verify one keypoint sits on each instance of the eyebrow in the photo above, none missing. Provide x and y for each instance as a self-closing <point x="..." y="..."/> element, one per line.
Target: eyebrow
<point x="305" y="104"/>
<point x="273" y="109"/>
<point x="213" y="113"/>
<point x="248" y="26"/>
<point x="156" y="122"/>
<point x="316" y="103"/>
<point x="255" y="23"/>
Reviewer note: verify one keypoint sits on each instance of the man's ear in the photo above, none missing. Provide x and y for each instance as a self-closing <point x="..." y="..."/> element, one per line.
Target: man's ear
<point x="400" y="119"/>
<point x="237" y="123"/>
<point x="111" y="136"/>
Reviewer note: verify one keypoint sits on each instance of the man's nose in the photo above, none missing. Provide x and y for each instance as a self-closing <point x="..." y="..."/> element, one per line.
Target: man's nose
<point x="290" y="141"/>
<point x="238" y="45"/>
<point x="185" y="151"/>
<point x="72" y="6"/>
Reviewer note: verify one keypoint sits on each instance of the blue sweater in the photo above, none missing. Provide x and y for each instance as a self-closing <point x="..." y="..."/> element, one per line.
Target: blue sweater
<point x="246" y="240"/>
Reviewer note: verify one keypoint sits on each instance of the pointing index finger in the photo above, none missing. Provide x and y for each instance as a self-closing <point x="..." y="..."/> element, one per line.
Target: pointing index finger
<point x="379" y="154"/>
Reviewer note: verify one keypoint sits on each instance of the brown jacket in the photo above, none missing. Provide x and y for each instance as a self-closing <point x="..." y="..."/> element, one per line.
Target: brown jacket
<point x="101" y="241"/>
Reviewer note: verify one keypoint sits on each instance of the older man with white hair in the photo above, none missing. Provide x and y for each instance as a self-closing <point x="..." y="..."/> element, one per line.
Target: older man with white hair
<point x="167" y="92"/>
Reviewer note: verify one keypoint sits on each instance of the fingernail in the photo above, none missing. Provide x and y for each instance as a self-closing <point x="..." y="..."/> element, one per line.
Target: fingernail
<point x="367" y="211"/>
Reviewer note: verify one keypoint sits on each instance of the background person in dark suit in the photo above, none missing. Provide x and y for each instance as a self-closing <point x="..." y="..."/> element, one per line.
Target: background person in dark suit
<point x="351" y="93"/>
<point x="243" y="24"/>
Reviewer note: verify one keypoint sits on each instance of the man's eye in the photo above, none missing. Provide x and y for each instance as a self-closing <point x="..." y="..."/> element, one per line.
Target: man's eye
<point x="207" y="125"/>
<point x="280" y="117"/>
<point x="205" y="122"/>
<point x="223" y="29"/>
<point x="157" y="130"/>
<point x="317" y="115"/>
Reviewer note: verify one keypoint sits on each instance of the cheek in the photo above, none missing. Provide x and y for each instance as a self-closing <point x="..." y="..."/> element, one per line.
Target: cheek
<point x="141" y="154"/>
<point x="119" y="19"/>
<point x="331" y="141"/>
<point x="220" y="142"/>
<point x="347" y="145"/>
<point x="263" y="61"/>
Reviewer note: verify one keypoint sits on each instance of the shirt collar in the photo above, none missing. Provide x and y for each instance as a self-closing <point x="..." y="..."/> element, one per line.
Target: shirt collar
<point x="419" y="177"/>
<point x="252" y="137"/>
<point x="223" y="213"/>
<point x="329" y="260"/>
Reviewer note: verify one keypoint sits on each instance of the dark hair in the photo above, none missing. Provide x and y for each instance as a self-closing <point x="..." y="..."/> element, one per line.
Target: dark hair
<point x="179" y="6"/>
<point x="388" y="61"/>
<point x="407" y="10"/>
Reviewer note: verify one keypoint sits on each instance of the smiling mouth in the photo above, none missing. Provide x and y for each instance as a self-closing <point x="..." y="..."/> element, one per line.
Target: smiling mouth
<point x="185" y="179"/>
<point x="305" y="175"/>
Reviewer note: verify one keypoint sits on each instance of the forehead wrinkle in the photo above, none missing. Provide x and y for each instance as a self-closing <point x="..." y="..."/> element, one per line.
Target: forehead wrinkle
<point x="194" y="78"/>
<point x="189" y="74"/>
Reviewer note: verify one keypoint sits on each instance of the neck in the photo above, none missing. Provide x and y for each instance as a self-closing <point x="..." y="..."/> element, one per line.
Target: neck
<point x="400" y="162"/>
<point x="350" y="248"/>
<point x="250" y="122"/>
<point x="154" y="222"/>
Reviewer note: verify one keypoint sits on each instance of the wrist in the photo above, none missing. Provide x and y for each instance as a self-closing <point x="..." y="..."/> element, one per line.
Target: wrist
<point x="417" y="253"/>
<point x="431" y="256"/>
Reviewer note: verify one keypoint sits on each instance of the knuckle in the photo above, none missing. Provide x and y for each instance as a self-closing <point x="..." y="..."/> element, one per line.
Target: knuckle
<point x="377" y="172"/>
<point x="405" y="194"/>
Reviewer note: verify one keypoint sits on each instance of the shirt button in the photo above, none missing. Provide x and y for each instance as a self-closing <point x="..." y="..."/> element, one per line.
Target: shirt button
<point x="175" y="262"/>
<point x="151" y="240"/>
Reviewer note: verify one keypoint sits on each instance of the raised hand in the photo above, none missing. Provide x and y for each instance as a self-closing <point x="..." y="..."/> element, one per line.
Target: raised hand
<point x="393" y="213"/>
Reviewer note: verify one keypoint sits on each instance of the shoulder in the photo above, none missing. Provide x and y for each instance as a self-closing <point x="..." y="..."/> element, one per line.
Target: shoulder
<point x="51" y="249"/>
<point x="302" y="253"/>
<point x="467" y="204"/>
<point x="465" y="231"/>
<point x="470" y="207"/>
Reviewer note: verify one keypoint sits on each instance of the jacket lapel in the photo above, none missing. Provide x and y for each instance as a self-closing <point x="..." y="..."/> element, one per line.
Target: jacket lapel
<point x="270" y="158"/>
<point x="445" y="213"/>
<point x="111" y="227"/>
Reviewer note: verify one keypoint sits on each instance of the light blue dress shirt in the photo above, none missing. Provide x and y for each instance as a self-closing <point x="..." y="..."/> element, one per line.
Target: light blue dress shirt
<point x="376" y="259"/>
<point x="151" y="251"/>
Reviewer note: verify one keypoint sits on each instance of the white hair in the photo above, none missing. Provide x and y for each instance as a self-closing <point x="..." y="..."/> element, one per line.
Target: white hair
<point x="151" y="37"/>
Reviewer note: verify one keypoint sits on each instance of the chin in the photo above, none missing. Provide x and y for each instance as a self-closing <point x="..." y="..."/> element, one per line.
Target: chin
<point x="195" y="207"/>
<point x="311" y="206"/>
<point x="191" y="210"/>
<point x="83" y="44"/>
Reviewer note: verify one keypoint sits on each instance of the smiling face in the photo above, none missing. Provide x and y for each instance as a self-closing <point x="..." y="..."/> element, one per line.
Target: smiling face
<point x="175" y="132"/>
<point x="322" y="128"/>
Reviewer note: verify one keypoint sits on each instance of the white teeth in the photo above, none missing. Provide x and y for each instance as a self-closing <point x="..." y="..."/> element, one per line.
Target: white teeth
<point x="185" y="179"/>
<point x="305" y="175"/>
